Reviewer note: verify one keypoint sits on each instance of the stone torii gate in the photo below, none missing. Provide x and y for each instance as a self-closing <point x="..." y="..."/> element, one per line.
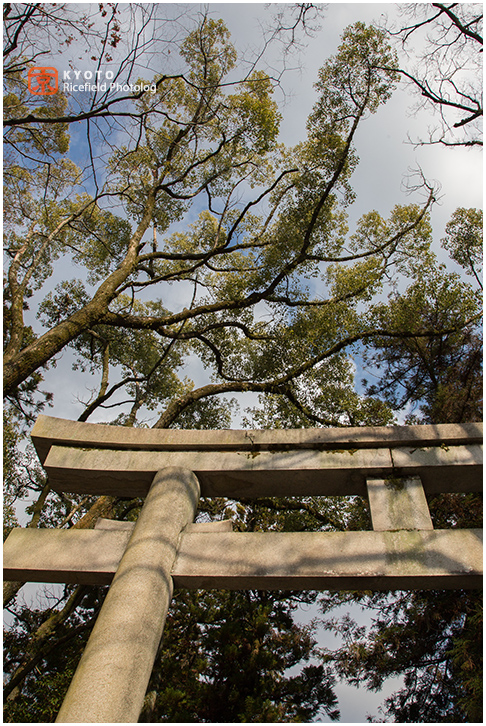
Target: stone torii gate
<point x="394" y="467"/>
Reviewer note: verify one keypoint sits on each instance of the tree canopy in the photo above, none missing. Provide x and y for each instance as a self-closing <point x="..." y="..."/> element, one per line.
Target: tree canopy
<point x="166" y="222"/>
<point x="199" y="140"/>
<point x="445" y="73"/>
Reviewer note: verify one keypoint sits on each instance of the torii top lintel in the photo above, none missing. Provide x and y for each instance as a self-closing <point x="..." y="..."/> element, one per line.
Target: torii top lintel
<point x="102" y="459"/>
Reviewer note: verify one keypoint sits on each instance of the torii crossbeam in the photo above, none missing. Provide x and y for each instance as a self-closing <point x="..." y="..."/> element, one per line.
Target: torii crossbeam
<point x="393" y="466"/>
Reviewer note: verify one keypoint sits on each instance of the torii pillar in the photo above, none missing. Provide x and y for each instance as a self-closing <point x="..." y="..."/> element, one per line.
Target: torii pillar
<point x="111" y="679"/>
<point x="394" y="467"/>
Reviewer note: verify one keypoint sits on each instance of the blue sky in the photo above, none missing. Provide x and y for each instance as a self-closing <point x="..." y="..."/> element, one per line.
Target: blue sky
<point x="386" y="157"/>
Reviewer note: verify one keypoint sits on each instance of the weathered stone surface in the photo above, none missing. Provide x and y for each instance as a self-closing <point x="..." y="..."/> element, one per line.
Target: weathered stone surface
<point x="49" y="430"/>
<point x="114" y="525"/>
<point x="297" y="472"/>
<point x="164" y="548"/>
<point x="84" y="556"/>
<point x="442" y="468"/>
<point x="111" y="679"/>
<point x="398" y="504"/>
<point x="332" y="560"/>
<point x="279" y="560"/>
<point x="223" y="525"/>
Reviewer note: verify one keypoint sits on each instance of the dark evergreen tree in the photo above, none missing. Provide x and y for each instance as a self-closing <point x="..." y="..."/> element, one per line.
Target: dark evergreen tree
<point x="196" y="141"/>
<point x="431" y="638"/>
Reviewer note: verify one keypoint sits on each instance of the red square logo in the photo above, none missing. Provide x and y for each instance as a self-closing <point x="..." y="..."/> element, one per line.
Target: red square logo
<point x="42" y="81"/>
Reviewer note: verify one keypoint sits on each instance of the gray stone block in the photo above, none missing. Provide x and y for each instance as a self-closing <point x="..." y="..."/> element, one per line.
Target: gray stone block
<point x="270" y="560"/>
<point x="111" y="679"/>
<point x="49" y="430"/>
<point x="297" y="472"/>
<point x="398" y="504"/>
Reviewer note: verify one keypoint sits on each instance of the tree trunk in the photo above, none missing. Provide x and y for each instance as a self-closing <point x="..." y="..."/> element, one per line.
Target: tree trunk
<point x="19" y="367"/>
<point x="10" y="589"/>
<point x="14" y="687"/>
